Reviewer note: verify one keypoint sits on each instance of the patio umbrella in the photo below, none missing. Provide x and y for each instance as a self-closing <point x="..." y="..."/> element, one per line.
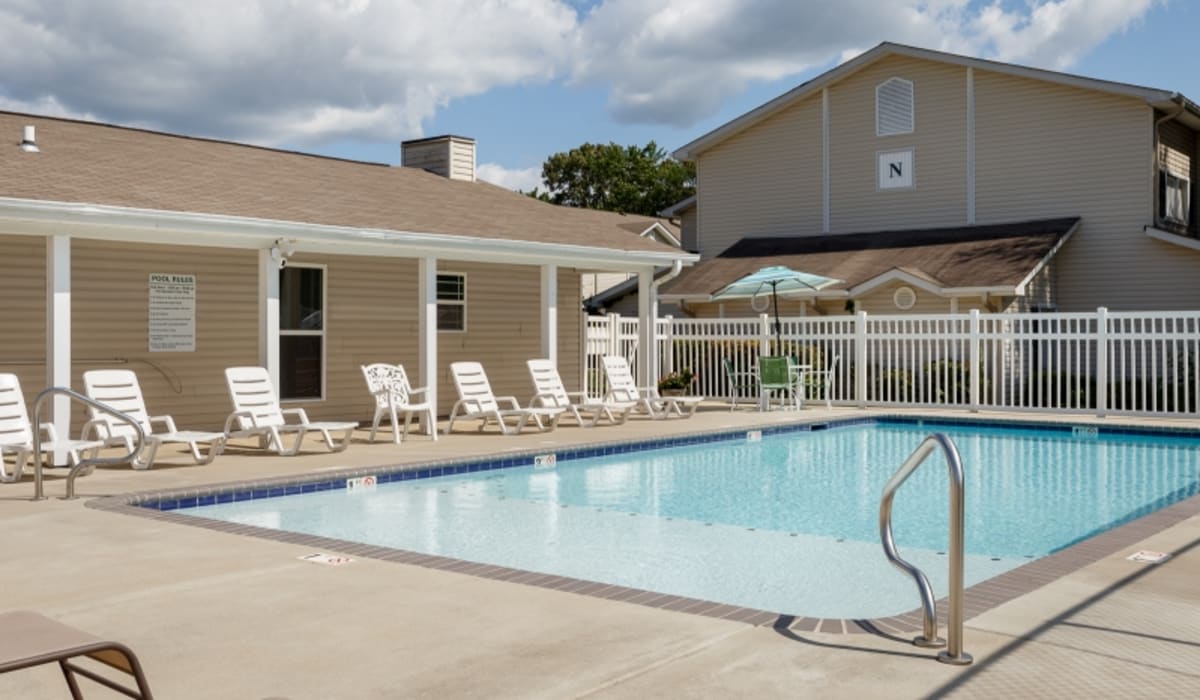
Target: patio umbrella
<point x="779" y="280"/>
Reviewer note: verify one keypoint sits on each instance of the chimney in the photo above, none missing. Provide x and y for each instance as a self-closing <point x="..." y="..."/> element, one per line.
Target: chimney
<point x="29" y="142"/>
<point x="448" y="156"/>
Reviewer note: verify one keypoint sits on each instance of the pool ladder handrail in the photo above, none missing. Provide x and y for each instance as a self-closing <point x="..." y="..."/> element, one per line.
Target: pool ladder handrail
<point x="953" y="654"/>
<point x="87" y="463"/>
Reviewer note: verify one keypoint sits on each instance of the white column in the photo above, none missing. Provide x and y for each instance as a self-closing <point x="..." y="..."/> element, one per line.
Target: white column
<point x="647" y="370"/>
<point x="550" y="312"/>
<point x="58" y="334"/>
<point x="860" y="358"/>
<point x="268" y="315"/>
<point x="427" y="334"/>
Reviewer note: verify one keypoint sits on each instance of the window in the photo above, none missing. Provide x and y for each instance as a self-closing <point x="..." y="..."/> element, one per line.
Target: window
<point x="1174" y="198"/>
<point x="451" y="302"/>
<point x="894" y="107"/>
<point x="301" y="332"/>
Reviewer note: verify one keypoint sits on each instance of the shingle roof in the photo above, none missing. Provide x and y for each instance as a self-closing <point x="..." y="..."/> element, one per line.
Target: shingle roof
<point x="997" y="255"/>
<point x="90" y="163"/>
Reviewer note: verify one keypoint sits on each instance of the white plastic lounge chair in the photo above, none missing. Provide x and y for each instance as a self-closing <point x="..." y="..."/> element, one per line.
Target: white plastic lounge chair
<point x="29" y="639"/>
<point x="393" y="395"/>
<point x="475" y="400"/>
<point x="622" y="387"/>
<point x="119" y="389"/>
<point x="16" y="435"/>
<point x="256" y="413"/>
<point x="551" y="392"/>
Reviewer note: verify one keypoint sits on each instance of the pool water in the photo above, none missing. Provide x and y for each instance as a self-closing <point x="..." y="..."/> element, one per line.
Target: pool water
<point x="787" y="524"/>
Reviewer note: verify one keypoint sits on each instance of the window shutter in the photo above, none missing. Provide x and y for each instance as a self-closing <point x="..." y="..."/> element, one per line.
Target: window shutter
<point x="894" y="107"/>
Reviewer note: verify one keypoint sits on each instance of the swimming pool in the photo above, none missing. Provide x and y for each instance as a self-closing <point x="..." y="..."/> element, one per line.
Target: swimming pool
<point x="786" y="523"/>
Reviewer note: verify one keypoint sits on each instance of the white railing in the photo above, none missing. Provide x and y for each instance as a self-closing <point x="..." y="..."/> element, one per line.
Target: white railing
<point x="1133" y="363"/>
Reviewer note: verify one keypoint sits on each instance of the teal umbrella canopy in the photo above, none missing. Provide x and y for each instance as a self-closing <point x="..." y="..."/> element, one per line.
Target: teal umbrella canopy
<point x="777" y="280"/>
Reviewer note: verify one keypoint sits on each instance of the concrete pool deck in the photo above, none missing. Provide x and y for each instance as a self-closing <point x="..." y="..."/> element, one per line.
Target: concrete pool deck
<point x="214" y="615"/>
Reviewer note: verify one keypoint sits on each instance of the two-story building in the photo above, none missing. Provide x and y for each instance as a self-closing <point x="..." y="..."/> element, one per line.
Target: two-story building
<point x="930" y="182"/>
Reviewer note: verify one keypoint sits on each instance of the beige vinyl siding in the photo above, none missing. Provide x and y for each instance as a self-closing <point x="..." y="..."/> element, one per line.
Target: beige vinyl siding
<point x="23" y="312"/>
<point x="765" y="181"/>
<point x="570" y="330"/>
<point x="879" y="301"/>
<point x="1046" y="150"/>
<point x="689" y="223"/>
<point x="504" y="329"/>
<point x="109" y="324"/>
<point x="939" y="144"/>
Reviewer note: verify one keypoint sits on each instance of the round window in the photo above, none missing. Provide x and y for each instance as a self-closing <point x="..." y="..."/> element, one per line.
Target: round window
<point x="904" y="298"/>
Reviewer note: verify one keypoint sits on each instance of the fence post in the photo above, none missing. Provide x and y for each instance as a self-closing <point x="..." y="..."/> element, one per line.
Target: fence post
<point x="973" y="355"/>
<point x="1101" y="361"/>
<point x="669" y="349"/>
<point x="614" y="334"/>
<point x="860" y="358"/>
<point x="764" y="335"/>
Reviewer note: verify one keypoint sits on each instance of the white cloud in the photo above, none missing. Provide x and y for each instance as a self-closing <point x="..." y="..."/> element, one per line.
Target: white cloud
<point x="523" y="179"/>
<point x="273" y="71"/>
<point x="319" y="71"/>
<point x="675" y="62"/>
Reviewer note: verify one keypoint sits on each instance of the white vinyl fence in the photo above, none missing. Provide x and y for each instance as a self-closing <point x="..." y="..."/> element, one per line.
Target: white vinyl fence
<point x="1134" y="363"/>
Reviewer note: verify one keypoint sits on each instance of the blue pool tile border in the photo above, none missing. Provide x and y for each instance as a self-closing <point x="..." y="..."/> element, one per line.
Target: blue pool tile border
<point x="288" y="486"/>
<point x="980" y="598"/>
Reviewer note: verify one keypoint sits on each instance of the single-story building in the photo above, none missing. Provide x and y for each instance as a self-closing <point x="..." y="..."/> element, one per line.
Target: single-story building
<point x="918" y="177"/>
<point x="178" y="257"/>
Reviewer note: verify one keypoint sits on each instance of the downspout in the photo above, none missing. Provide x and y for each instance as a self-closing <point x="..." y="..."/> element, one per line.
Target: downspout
<point x="676" y="268"/>
<point x="1158" y="165"/>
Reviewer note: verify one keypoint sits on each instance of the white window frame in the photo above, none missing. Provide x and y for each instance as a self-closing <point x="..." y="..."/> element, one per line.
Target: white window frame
<point x="323" y="333"/>
<point x="454" y="302"/>
<point x="1165" y="181"/>
<point x="912" y="107"/>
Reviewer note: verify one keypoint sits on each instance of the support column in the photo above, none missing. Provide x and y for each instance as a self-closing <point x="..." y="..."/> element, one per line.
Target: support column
<point x="268" y="315"/>
<point x="58" y="334"/>
<point x="647" y="370"/>
<point x="427" y="334"/>
<point x="550" y="313"/>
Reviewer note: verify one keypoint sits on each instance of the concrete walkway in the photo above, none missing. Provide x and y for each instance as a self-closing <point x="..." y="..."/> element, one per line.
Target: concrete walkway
<point x="213" y="615"/>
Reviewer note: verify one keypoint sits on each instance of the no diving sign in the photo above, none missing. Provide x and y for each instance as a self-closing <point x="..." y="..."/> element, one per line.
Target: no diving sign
<point x="326" y="559"/>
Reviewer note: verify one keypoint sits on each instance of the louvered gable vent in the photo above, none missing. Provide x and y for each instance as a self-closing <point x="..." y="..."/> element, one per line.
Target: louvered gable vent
<point x="894" y="107"/>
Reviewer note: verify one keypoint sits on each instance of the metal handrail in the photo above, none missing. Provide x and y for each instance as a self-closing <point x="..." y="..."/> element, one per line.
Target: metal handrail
<point x="953" y="653"/>
<point x="86" y="463"/>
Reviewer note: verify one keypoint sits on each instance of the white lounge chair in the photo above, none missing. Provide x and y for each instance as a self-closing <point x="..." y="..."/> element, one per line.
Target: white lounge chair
<point x="256" y="413"/>
<point x="622" y="387"/>
<point x="119" y="389"/>
<point x="393" y="395"/>
<point x="475" y="400"/>
<point x="16" y="435"/>
<point x="551" y="393"/>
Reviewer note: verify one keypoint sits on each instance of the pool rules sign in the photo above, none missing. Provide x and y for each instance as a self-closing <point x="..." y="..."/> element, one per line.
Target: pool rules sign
<point x="172" y="313"/>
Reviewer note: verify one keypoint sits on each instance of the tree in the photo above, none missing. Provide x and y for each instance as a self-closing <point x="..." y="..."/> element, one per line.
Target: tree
<point x="630" y="179"/>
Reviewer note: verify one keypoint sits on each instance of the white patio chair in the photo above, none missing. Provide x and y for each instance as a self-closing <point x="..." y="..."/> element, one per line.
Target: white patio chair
<point x="256" y="413"/>
<point x="822" y="380"/>
<point x="622" y="387"/>
<point x="16" y="435"/>
<point x="551" y="392"/>
<point x="393" y="395"/>
<point x="119" y="389"/>
<point x="475" y="400"/>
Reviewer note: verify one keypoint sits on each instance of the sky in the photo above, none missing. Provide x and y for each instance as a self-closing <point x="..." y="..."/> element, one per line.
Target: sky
<point x="525" y="78"/>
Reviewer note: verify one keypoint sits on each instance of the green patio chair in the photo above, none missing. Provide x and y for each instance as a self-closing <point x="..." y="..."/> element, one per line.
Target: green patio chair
<point x="775" y="375"/>
<point x="738" y="382"/>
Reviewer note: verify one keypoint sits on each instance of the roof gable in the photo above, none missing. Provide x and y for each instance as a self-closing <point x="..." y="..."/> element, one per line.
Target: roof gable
<point x="1161" y="99"/>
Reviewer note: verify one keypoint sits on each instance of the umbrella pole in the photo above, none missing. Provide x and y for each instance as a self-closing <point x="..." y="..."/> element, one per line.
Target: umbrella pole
<point x="775" y="300"/>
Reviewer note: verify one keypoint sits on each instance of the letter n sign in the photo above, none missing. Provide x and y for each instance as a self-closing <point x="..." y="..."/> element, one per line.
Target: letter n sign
<point x="896" y="169"/>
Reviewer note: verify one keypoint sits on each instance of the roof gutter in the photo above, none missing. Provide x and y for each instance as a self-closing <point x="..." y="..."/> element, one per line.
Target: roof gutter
<point x="676" y="268"/>
<point x="136" y="225"/>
